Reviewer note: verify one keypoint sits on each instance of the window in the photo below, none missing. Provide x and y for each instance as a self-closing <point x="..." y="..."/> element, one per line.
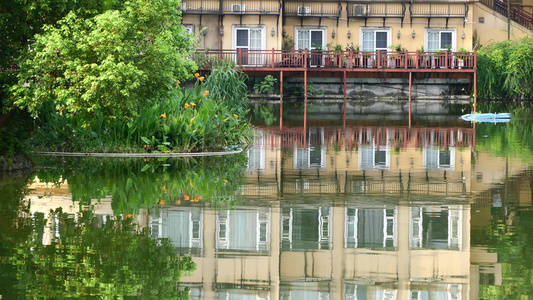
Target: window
<point x="314" y="155"/>
<point x="440" y="40"/>
<point x="310" y="39"/>
<point x="256" y="154"/>
<point x="248" y="40"/>
<point x="373" y="39"/>
<point x="435" y="227"/>
<point x="184" y="228"/>
<point x="306" y="228"/>
<point x="373" y="157"/>
<point x="189" y="28"/>
<point x="243" y="230"/>
<point x="370" y="228"/>
<point x="439" y="159"/>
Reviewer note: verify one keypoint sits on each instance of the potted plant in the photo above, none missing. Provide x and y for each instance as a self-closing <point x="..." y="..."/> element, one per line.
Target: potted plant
<point x="316" y="55"/>
<point x="397" y="59"/>
<point x="438" y="59"/>
<point x="352" y="52"/>
<point x="422" y="58"/>
<point x="461" y="57"/>
<point x="333" y="55"/>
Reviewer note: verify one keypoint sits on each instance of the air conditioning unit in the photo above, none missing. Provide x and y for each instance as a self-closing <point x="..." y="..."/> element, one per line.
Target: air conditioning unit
<point x="304" y="10"/>
<point x="360" y="10"/>
<point x="183" y="6"/>
<point x="237" y="8"/>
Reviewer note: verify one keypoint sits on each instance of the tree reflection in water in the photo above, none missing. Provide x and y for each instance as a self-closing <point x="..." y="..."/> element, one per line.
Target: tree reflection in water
<point x="91" y="257"/>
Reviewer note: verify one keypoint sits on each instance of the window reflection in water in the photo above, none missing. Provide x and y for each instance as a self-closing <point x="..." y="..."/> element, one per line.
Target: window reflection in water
<point x="306" y="228"/>
<point x="244" y="230"/>
<point x="435" y="227"/>
<point x="374" y="228"/>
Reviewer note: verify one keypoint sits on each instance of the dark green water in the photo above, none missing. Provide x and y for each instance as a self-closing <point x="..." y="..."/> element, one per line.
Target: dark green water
<point x="347" y="207"/>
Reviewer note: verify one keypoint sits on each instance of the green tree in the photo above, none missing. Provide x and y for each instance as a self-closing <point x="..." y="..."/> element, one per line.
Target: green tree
<point x="116" y="62"/>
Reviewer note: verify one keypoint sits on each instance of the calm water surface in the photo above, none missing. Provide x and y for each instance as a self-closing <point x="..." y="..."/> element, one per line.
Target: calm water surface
<point x="329" y="206"/>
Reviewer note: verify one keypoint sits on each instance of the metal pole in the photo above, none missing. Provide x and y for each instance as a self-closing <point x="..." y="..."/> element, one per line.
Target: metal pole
<point x="280" y="100"/>
<point x="508" y="20"/>
<point x="475" y="90"/>
<point x="410" y="87"/>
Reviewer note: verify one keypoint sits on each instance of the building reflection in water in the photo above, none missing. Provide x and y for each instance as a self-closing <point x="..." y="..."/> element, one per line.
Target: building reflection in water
<point x="339" y="213"/>
<point x="336" y="213"/>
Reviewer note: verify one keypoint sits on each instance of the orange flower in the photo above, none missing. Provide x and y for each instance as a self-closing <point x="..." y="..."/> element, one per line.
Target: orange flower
<point x="193" y="104"/>
<point x="196" y="75"/>
<point x="178" y="82"/>
<point x="162" y="202"/>
<point x="186" y="198"/>
<point x="235" y="115"/>
<point x="163" y="115"/>
<point x="206" y="92"/>
<point x="201" y="78"/>
<point x="178" y="202"/>
<point x="187" y="105"/>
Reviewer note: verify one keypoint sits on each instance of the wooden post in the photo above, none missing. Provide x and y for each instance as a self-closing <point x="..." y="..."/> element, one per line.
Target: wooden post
<point x="272" y="58"/>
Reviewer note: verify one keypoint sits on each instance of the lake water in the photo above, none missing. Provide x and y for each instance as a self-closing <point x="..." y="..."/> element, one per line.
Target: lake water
<point x="362" y="205"/>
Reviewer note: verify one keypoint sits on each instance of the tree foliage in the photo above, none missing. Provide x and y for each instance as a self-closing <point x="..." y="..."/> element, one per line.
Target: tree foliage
<point x="505" y="69"/>
<point x="115" y="62"/>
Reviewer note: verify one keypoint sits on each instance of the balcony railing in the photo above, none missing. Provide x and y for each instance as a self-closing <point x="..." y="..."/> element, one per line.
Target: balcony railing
<point x="439" y="10"/>
<point x="517" y="14"/>
<point x="312" y="9"/>
<point x="375" y="9"/>
<point x="346" y="60"/>
<point x="236" y="7"/>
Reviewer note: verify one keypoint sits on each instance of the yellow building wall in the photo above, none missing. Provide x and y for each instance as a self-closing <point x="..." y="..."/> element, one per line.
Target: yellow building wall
<point x="494" y="27"/>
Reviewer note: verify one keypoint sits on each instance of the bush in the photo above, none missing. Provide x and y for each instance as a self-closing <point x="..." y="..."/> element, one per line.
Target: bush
<point x="187" y="121"/>
<point x="505" y="68"/>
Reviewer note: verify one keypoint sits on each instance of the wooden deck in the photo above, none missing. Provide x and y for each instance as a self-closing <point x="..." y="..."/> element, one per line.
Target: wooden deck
<point x="346" y="63"/>
<point x="343" y="61"/>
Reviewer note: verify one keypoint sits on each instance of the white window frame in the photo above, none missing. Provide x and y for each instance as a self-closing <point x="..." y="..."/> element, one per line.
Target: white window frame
<point x="310" y="29"/>
<point x="453" y="31"/>
<point x="388" y="30"/>
<point x="257" y="60"/>
<point x="189" y="28"/>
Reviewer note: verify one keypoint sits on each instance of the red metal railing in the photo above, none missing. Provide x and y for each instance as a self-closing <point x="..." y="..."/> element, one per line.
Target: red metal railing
<point x="305" y="59"/>
<point x="517" y="14"/>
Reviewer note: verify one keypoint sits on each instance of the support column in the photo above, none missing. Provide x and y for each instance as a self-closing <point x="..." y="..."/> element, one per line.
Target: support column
<point x="475" y="90"/>
<point x="344" y="85"/>
<point x="305" y="123"/>
<point x="305" y="85"/>
<point x="280" y="100"/>
<point x="410" y="89"/>
<point x="305" y="75"/>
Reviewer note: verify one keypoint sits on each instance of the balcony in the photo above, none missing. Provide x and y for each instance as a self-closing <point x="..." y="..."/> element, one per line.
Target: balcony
<point x="351" y="61"/>
<point x="312" y="9"/>
<point x="237" y="7"/>
<point x="517" y="14"/>
<point x="445" y="10"/>
<point x="376" y="10"/>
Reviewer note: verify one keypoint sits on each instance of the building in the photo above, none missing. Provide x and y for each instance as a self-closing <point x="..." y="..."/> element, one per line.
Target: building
<point x="354" y="43"/>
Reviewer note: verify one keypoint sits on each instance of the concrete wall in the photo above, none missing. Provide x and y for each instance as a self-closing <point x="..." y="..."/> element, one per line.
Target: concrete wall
<point x="382" y="88"/>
